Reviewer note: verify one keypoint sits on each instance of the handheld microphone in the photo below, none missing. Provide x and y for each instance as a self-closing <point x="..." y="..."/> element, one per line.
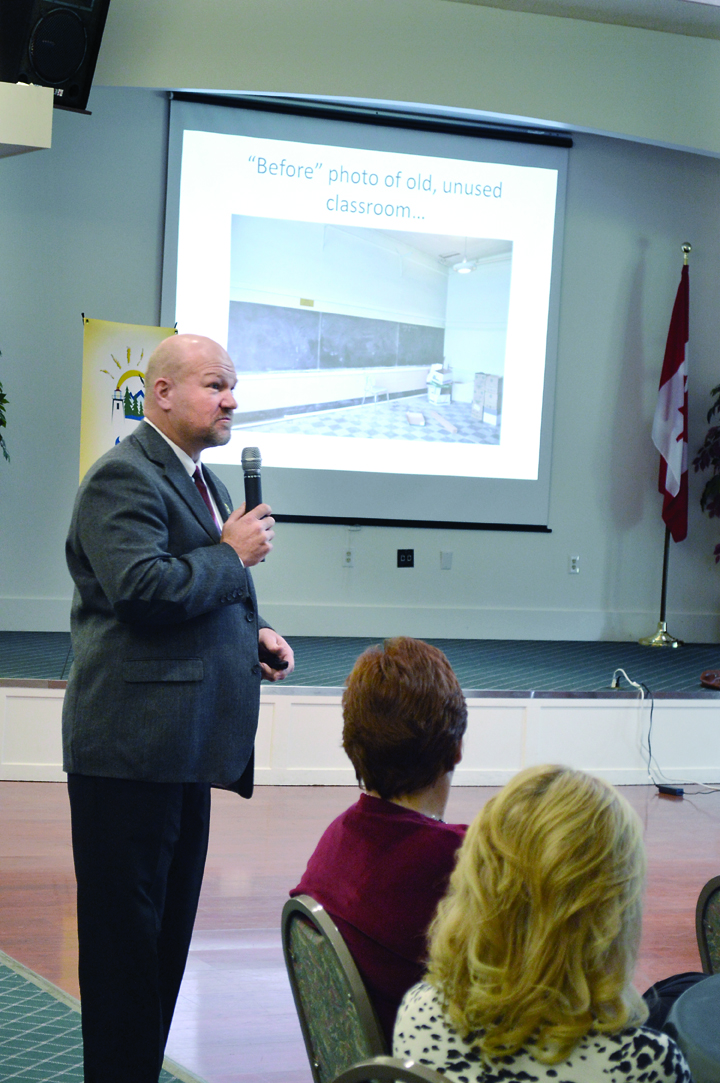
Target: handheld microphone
<point x="251" y="462"/>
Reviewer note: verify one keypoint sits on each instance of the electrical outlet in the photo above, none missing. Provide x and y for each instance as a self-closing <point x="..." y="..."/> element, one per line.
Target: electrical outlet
<point x="406" y="558"/>
<point x="445" y="560"/>
<point x="348" y="558"/>
<point x="574" y="565"/>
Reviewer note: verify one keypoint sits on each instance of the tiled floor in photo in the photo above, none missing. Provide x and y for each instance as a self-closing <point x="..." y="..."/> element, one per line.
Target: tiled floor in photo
<point x="388" y="420"/>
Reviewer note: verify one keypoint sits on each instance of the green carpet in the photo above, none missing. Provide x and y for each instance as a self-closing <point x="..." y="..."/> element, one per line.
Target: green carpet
<point x="501" y="665"/>
<point x="40" y="1039"/>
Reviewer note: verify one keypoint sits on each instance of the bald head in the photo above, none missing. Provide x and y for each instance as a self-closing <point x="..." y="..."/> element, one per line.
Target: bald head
<point x="188" y="392"/>
<point x="171" y="358"/>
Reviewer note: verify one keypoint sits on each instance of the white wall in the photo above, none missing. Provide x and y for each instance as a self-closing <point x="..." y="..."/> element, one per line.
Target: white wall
<point x="357" y="272"/>
<point x="629" y="207"/>
<point x="476" y="323"/>
<point x="80" y="231"/>
<point x="591" y="76"/>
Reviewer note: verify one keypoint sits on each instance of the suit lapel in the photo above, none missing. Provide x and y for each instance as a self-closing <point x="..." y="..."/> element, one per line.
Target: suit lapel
<point x="159" y="451"/>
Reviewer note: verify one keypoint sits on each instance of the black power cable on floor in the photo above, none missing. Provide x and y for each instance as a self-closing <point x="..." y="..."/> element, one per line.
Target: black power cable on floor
<point x="668" y="787"/>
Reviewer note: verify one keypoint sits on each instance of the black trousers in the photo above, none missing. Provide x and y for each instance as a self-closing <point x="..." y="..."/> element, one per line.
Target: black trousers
<point x="139" y="850"/>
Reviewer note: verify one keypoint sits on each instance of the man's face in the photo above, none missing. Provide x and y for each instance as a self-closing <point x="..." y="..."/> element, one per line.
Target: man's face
<point x="201" y="400"/>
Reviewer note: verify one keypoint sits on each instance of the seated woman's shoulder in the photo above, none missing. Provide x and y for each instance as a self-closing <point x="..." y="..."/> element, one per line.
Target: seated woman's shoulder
<point x="644" y="1048"/>
<point x="420" y="1007"/>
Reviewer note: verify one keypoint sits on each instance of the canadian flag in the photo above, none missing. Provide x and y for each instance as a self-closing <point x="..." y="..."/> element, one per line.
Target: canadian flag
<point x="670" y="427"/>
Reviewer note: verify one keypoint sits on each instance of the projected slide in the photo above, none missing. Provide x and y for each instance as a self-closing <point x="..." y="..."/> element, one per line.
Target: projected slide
<point x="386" y="312"/>
<point x="392" y="348"/>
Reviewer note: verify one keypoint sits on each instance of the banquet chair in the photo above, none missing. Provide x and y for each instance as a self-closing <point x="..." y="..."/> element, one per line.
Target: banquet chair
<point x="707" y="926"/>
<point x="389" y="1070"/>
<point x="337" y="1019"/>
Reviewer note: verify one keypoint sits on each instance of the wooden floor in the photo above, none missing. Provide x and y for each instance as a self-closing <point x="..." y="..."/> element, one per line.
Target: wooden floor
<point x="235" y="1022"/>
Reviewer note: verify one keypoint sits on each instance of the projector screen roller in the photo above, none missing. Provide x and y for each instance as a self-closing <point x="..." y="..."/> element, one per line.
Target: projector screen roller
<point x="389" y="300"/>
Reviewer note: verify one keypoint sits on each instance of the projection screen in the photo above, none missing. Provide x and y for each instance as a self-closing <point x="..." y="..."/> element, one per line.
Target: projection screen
<point x="389" y="296"/>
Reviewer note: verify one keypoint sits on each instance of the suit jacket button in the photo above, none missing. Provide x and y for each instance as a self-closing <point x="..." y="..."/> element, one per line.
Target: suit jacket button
<point x="256" y="668"/>
<point x="250" y="616"/>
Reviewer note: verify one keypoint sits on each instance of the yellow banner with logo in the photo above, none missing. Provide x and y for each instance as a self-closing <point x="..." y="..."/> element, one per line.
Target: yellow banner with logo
<point x="115" y="357"/>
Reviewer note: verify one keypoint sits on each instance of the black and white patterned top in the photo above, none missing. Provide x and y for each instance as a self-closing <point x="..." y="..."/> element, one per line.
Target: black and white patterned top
<point x="636" y="1055"/>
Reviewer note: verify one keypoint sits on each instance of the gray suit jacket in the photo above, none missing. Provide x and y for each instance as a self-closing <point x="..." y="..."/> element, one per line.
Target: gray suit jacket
<point x="165" y="685"/>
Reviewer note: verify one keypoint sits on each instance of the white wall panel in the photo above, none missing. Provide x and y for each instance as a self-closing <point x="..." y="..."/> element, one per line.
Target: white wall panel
<point x="300" y="733"/>
<point x="314" y="743"/>
<point x="30" y="734"/>
<point x="493" y="748"/>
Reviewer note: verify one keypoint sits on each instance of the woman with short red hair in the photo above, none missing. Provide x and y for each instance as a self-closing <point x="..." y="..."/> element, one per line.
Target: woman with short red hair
<point x="381" y="867"/>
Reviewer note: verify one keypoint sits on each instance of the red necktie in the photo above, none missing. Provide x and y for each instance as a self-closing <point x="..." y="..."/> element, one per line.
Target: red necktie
<point x="203" y="490"/>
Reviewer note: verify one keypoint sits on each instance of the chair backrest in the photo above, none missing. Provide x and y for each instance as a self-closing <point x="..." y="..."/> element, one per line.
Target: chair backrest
<point x="338" y="1021"/>
<point x="389" y="1070"/>
<point x="707" y="926"/>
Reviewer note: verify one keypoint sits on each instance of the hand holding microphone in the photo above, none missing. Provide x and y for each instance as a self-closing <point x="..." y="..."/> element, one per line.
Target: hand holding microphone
<point x="274" y="653"/>
<point x="249" y="529"/>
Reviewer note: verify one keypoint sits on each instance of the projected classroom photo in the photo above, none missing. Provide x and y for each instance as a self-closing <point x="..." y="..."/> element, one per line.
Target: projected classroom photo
<point x="346" y="331"/>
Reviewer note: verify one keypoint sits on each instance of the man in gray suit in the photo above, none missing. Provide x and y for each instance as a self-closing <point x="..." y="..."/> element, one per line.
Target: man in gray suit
<point x="162" y="700"/>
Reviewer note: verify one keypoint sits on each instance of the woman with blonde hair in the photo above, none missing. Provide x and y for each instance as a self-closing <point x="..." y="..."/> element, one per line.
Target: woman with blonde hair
<point x="533" y="948"/>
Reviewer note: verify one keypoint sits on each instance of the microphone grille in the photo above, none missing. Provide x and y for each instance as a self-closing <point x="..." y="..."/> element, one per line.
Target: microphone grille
<point x="251" y="458"/>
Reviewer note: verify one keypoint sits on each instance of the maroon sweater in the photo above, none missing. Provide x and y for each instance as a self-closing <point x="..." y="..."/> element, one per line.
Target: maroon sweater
<point x="380" y="870"/>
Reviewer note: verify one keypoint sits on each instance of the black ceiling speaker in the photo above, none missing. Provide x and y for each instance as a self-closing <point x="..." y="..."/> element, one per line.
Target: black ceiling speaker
<point x="52" y="43"/>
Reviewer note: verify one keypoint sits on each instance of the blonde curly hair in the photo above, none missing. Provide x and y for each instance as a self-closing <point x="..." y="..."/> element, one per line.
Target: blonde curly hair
<point x="535" y="943"/>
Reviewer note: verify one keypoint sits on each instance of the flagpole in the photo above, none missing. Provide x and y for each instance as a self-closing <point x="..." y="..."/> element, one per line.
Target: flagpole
<point x="662" y="637"/>
<point x="663" y="592"/>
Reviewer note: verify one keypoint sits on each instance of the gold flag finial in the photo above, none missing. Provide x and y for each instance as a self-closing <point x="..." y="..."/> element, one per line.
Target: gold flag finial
<point x="686" y="250"/>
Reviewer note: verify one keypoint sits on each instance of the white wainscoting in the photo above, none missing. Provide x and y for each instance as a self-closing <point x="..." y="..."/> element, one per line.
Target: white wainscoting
<point x="30" y="732"/>
<point x="299" y="735"/>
